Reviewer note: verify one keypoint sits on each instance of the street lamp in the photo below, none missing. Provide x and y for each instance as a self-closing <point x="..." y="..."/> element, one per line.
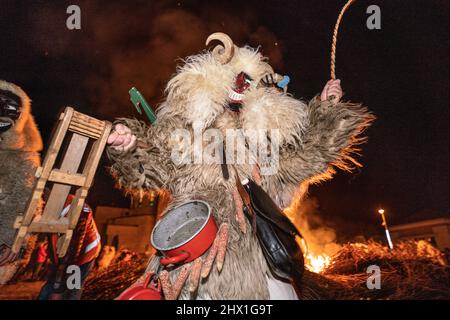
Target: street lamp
<point x="384" y="224"/>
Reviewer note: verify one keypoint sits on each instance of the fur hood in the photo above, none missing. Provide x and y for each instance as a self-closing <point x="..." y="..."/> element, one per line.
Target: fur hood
<point x="193" y="93"/>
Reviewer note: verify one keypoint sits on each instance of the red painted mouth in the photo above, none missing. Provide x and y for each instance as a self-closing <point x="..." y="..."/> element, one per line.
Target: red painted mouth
<point x="236" y="95"/>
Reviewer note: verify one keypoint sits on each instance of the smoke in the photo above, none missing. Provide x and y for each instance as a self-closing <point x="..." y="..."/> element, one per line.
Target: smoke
<point x="139" y="43"/>
<point x="320" y="238"/>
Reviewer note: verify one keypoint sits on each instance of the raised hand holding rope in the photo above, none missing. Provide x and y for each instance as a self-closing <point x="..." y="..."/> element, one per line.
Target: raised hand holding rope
<point x="332" y="90"/>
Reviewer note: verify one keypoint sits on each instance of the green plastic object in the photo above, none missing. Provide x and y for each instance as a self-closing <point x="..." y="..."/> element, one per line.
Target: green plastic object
<point x="139" y="102"/>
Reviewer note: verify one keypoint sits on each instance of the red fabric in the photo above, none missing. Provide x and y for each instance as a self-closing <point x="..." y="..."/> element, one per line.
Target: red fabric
<point x="41" y="254"/>
<point x="91" y="245"/>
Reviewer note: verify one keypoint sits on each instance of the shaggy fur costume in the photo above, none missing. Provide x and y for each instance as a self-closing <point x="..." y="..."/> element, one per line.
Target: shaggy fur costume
<point x="19" y="158"/>
<point x="314" y="138"/>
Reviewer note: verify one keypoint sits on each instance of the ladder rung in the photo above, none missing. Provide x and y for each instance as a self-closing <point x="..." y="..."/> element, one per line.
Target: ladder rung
<point x="87" y="125"/>
<point x="49" y="226"/>
<point x="85" y="131"/>
<point x="87" y="121"/>
<point x="67" y="178"/>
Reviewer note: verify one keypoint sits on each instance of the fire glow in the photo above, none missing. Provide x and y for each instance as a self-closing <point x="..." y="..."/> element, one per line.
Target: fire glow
<point x="317" y="263"/>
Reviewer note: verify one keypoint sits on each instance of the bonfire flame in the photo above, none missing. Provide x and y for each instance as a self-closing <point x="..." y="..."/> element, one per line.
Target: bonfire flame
<point x="317" y="263"/>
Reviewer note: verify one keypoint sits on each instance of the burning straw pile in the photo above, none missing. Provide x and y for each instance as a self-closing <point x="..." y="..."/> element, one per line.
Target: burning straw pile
<point x="413" y="270"/>
<point x="108" y="283"/>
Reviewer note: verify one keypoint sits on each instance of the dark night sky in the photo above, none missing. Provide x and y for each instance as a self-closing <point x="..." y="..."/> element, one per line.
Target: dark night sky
<point x="401" y="72"/>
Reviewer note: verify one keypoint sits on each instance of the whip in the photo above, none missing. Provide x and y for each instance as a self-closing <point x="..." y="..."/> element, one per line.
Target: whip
<point x="335" y="35"/>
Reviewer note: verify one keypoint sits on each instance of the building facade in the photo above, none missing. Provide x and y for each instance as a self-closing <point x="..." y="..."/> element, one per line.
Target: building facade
<point x="130" y="228"/>
<point x="435" y="230"/>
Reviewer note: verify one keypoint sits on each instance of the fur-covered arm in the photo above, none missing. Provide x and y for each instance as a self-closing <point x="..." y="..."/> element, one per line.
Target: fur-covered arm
<point x="148" y="164"/>
<point x="331" y="135"/>
<point x="312" y="138"/>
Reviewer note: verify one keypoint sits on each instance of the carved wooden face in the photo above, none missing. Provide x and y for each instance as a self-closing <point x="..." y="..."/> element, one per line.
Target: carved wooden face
<point x="10" y="109"/>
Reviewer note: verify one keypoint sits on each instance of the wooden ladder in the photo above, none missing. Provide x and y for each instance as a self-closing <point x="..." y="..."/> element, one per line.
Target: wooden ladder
<point x="64" y="178"/>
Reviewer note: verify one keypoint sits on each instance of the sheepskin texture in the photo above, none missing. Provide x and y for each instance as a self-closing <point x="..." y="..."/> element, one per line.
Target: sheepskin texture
<point x="19" y="159"/>
<point x="313" y="139"/>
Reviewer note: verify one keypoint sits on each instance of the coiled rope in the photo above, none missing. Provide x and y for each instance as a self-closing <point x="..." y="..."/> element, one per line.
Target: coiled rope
<point x="335" y="35"/>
